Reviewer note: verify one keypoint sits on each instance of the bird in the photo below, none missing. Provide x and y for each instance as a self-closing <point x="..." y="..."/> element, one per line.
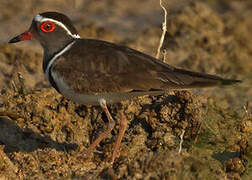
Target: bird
<point x="95" y="72"/>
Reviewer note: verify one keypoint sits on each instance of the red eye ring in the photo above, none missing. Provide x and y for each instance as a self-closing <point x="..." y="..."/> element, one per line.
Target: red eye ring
<point x="47" y="26"/>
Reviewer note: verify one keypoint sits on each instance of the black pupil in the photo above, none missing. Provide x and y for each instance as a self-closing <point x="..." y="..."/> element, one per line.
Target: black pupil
<point x="48" y="26"/>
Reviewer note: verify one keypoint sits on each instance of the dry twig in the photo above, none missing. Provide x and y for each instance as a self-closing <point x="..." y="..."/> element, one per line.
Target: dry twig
<point x="181" y="141"/>
<point x="164" y="28"/>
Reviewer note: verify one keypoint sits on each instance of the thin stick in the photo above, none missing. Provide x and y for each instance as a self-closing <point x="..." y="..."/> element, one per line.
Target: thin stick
<point x="247" y="110"/>
<point x="164" y="28"/>
<point x="181" y="141"/>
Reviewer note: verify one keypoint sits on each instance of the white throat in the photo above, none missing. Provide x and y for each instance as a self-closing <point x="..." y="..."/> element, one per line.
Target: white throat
<point x="53" y="59"/>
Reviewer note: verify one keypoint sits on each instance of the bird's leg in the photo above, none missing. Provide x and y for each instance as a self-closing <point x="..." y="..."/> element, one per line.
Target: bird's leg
<point x="123" y="127"/>
<point x="105" y="133"/>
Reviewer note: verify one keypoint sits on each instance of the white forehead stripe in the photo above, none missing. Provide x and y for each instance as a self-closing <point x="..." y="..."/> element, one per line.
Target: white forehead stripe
<point x="41" y="19"/>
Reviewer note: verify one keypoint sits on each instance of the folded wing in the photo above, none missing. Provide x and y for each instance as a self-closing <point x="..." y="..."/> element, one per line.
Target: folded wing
<point x="105" y="67"/>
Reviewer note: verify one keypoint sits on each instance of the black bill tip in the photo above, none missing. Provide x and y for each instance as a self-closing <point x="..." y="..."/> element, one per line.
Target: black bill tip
<point x="14" y="40"/>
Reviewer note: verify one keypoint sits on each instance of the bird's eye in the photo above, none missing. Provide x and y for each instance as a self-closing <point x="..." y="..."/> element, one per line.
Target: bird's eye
<point x="47" y="26"/>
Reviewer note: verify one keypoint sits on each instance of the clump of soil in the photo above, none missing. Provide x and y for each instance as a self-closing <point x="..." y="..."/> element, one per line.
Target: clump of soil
<point x="42" y="126"/>
<point x="19" y="63"/>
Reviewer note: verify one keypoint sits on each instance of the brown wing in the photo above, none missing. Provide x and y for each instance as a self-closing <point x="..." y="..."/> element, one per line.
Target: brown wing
<point x="94" y="66"/>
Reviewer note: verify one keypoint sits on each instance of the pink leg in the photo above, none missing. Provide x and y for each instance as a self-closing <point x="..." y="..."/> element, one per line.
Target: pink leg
<point x="123" y="127"/>
<point x="105" y="133"/>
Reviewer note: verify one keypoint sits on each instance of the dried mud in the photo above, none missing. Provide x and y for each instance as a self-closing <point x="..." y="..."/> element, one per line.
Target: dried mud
<point x="42" y="133"/>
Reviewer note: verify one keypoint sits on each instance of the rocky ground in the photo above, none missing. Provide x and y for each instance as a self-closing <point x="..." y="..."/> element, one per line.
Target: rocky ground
<point x="42" y="133"/>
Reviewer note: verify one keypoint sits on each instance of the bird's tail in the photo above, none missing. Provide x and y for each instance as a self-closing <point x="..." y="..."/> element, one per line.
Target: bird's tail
<point x="183" y="79"/>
